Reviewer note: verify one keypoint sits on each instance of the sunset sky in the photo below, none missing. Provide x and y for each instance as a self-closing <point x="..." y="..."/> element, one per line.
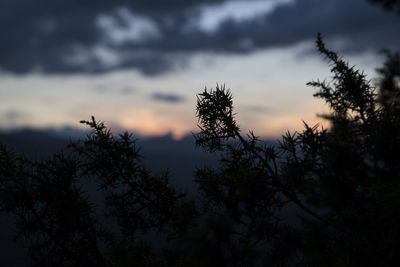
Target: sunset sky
<point x="138" y="64"/>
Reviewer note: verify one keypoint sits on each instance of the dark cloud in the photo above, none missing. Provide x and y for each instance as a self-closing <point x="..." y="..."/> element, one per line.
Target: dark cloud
<point x="69" y="36"/>
<point x="170" y="98"/>
<point x="39" y="35"/>
<point x="363" y="25"/>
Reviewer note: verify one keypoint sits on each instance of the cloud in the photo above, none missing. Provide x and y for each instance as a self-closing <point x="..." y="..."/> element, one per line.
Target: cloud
<point x="99" y="36"/>
<point x="13" y="116"/>
<point x="127" y="27"/>
<point x="239" y="11"/>
<point x="168" y="97"/>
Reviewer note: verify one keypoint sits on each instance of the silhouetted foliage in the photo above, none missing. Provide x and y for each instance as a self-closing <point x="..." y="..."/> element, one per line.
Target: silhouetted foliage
<point x="66" y="225"/>
<point x="389" y="80"/>
<point x="388" y="4"/>
<point x="344" y="180"/>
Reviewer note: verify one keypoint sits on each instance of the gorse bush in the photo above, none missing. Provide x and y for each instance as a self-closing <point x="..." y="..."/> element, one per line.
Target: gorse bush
<point x="343" y="181"/>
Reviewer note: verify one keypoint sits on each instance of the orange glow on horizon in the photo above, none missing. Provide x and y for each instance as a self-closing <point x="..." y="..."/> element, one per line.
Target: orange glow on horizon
<point x="146" y="122"/>
<point x="277" y="126"/>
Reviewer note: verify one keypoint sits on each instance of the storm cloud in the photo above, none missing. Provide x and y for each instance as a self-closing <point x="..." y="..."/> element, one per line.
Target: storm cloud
<point x="155" y="36"/>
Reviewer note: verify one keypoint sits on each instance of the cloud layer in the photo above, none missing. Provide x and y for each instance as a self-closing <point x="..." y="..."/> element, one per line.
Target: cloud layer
<point x="169" y="98"/>
<point x="155" y="36"/>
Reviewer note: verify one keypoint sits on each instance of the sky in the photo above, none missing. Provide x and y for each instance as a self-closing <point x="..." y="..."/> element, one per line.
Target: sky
<point x="138" y="65"/>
